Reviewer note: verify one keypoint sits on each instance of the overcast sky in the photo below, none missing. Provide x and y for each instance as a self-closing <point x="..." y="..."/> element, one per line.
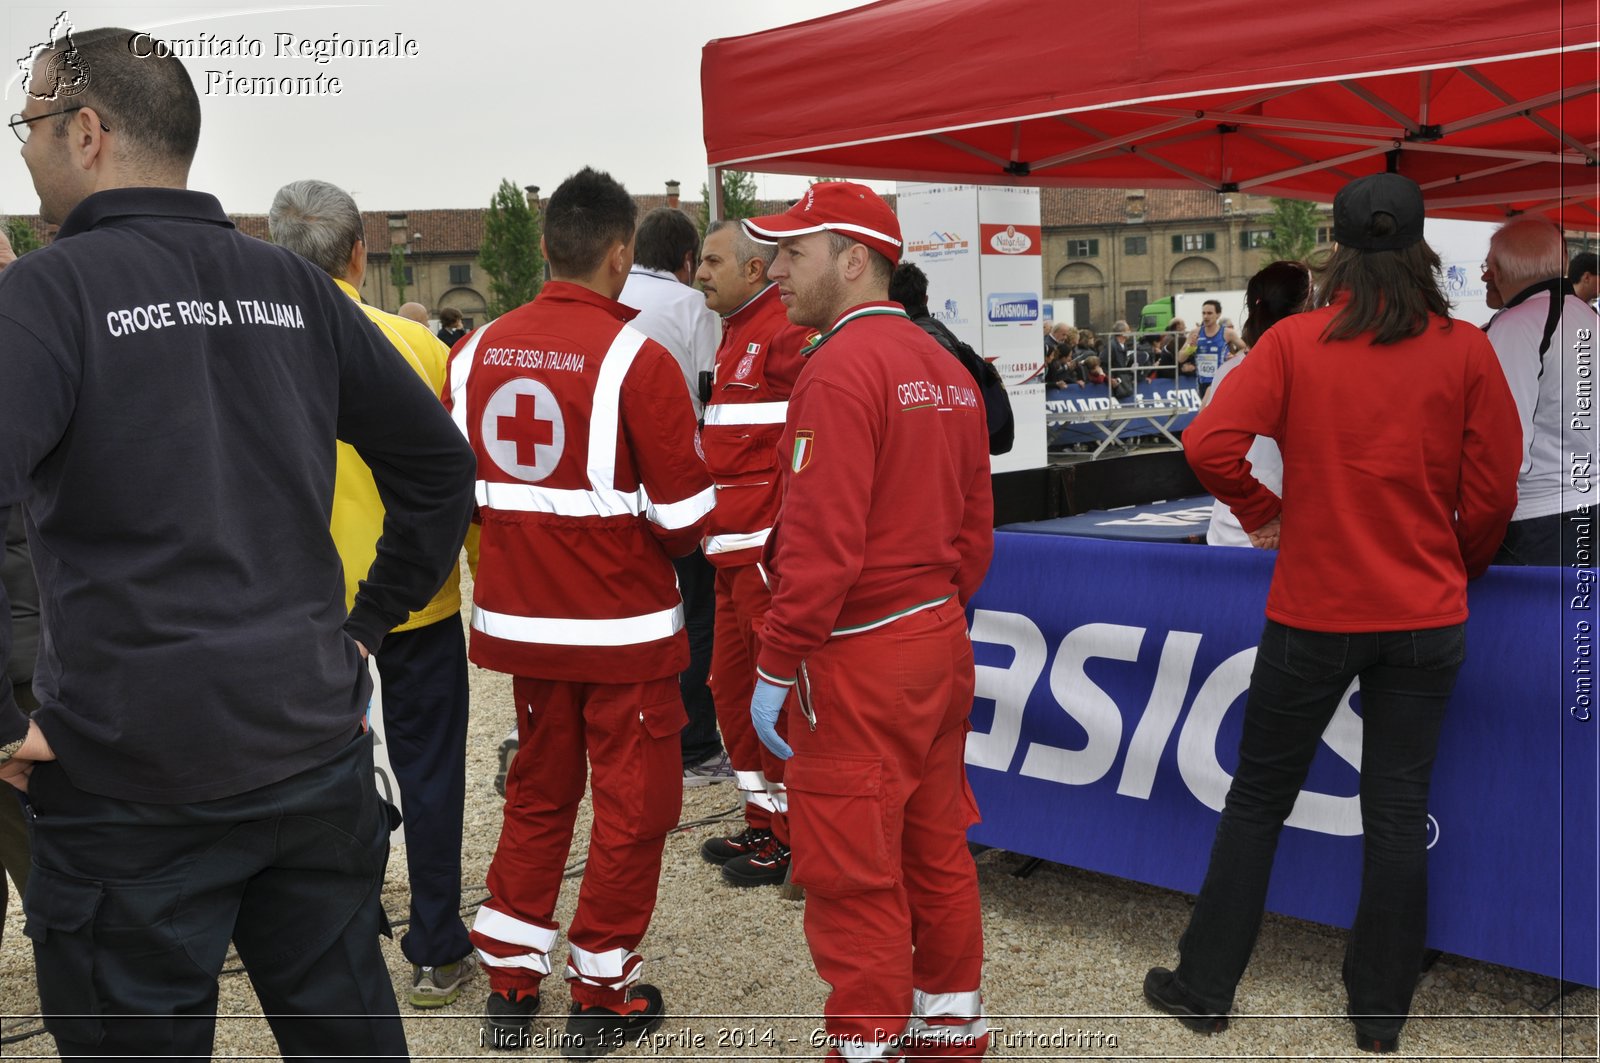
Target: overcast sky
<point x="495" y="90"/>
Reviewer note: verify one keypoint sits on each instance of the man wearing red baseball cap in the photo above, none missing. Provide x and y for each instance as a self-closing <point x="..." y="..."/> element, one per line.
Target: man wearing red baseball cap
<point x="884" y="534"/>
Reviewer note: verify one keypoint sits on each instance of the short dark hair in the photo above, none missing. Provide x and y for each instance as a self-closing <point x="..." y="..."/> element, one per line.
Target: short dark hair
<point x="1215" y="303"/>
<point x="1391" y="294"/>
<point x="908" y="286"/>
<point x="143" y="93"/>
<point x="1277" y="290"/>
<point x="665" y="236"/>
<point x="1583" y="262"/>
<point x="450" y="317"/>
<point x="588" y="213"/>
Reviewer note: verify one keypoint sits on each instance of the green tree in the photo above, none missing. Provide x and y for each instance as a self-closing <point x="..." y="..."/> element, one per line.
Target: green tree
<point x="1294" y="229"/>
<point x="397" y="272"/>
<point x="738" y="198"/>
<point x="509" y="255"/>
<point x="23" y="238"/>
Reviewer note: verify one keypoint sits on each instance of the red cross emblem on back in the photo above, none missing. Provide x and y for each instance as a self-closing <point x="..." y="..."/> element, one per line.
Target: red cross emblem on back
<point x="526" y="429"/>
<point x="522" y="429"/>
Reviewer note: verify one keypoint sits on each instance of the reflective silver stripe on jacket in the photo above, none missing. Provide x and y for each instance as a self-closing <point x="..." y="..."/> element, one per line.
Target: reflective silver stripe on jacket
<point x="722" y="413"/>
<point x="565" y="631"/>
<point x="727" y="544"/>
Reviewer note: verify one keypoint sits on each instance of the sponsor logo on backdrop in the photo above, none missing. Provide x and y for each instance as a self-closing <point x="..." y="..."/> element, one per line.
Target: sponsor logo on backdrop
<point x="1082" y="665"/>
<point x="1013" y="308"/>
<point x="950" y="313"/>
<point x="1010" y="239"/>
<point x="936" y="243"/>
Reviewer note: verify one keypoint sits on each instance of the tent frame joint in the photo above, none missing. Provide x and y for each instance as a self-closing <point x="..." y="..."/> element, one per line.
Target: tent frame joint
<point x="1425" y="134"/>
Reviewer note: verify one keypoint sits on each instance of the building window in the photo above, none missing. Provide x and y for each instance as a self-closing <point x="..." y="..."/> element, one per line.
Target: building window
<point x="1083" y="248"/>
<point x="1133" y="301"/>
<point x="460" y="274"/>
<point x="1324" y="235"/>
<point x="1194" y="242"/>
<point x="1136" y="245"/>
<point x="409" y="278"/>
<point x="1252" y="238"/>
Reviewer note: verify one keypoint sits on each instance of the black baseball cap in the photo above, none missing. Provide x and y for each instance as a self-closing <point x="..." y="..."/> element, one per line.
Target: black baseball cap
<point x="1378" y="193"/>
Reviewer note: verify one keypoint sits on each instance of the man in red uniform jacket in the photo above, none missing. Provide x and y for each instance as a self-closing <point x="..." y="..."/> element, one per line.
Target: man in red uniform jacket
<point x="885" y="533"/>
<point x="757" y="364"/>
<point x="588" y="484"/>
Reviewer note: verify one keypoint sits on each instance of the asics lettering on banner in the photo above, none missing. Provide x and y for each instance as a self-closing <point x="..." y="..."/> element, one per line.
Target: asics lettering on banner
<point x="1103" y="720"/>
<point x="523" y="431"/>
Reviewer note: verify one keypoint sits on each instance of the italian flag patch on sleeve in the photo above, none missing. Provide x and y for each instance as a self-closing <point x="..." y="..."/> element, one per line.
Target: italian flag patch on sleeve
<point x="805" y="444"/>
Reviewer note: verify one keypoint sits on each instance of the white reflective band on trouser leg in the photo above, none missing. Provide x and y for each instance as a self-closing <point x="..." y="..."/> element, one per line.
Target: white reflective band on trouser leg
<point x="779" y="796"/>
<point x="858" y="1051"/>
<point x="532" y="961"/>
<point x="727" y="544"/>
<point x="612" y="969"/>
<point x="675" y="515"/>
<point x="747" y="413"/>
<point x="502" y="927"/>
<point x="959" y="1005"/>
<point x="968" y="1005"/>
<point x="560" y="631"/>
<point x="750" y="782"/>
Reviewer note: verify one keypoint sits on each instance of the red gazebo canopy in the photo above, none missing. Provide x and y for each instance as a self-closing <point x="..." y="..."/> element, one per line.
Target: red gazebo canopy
<point x="1493" y="107"/>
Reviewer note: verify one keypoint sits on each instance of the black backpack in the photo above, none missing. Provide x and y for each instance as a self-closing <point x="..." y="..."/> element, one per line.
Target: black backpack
<point x="996" y="401"/>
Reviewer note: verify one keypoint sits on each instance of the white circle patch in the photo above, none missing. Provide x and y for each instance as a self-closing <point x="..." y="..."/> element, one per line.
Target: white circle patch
<point x="522" y="429"/>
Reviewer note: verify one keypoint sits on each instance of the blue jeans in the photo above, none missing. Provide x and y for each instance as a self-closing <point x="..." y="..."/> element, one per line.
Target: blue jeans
<point x="1298" y="682"/>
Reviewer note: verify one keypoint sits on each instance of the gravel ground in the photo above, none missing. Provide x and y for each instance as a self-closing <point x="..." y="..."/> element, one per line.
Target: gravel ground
<point x="1066" y="953"/>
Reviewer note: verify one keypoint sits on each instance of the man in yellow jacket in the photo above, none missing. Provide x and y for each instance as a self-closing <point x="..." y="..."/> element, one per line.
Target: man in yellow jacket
<point x="423" y="663"/>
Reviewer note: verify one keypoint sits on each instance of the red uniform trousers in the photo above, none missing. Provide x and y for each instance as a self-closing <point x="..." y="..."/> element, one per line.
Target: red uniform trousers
<point x="629" y="732"/>
<point x="879" y="809"/>
<point x="742" y="603"/>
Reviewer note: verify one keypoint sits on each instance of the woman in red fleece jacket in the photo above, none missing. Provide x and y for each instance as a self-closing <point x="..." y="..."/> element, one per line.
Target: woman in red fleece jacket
<point x="1392" y="499"/>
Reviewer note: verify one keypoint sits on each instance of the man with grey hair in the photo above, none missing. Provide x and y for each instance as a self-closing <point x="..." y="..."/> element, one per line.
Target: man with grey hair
<point x="199" y="768"/>
<point x="423" y="666"/>
<point x="756" y="368"/>
<point x="1544" y="338"/>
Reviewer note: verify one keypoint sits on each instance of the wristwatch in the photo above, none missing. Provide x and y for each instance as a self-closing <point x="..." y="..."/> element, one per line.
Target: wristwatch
<point x="9" y="749"/>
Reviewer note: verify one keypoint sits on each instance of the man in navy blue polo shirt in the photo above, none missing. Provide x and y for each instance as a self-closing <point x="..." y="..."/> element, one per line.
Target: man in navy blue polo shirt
<point x="199" y="771"/>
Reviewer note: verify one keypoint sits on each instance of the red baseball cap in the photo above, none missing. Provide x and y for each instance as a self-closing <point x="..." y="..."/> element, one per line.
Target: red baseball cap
<point x="844" y="207"/>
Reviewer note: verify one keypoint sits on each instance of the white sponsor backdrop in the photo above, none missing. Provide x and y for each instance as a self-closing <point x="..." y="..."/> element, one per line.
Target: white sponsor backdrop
<point x="1462" y="247"/>
<point x="986" y="288"/>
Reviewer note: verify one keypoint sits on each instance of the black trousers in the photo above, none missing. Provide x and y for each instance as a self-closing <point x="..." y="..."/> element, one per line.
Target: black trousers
<point x="1299" y="680"/>
<point x="1556" y="539"/>
<point x="131" y="906"/>
<point x="424" y="675"/>
<point x="697" y="582"/>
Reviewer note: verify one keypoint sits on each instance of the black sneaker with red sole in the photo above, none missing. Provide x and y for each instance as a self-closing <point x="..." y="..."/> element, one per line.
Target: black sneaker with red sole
<point x="769" y="867"/>
<point x="508" y="1020"/>
<point x="595" y="1032"/>
<point x="721" y="850"/>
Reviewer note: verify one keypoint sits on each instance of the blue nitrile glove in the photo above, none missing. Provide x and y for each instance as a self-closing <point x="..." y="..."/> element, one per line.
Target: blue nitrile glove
<point x="764" y="707"/>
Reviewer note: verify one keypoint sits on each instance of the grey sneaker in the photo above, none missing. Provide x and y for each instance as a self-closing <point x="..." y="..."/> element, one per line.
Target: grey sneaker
<point x="435" y="987"/>
<point x="715" y="770"/>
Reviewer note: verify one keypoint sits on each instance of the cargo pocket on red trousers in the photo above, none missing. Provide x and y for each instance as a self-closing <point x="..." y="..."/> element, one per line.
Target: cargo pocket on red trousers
<point x="837" y="823"/>
<point x="658" y="785"/>
<point x="60" y="914"/>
